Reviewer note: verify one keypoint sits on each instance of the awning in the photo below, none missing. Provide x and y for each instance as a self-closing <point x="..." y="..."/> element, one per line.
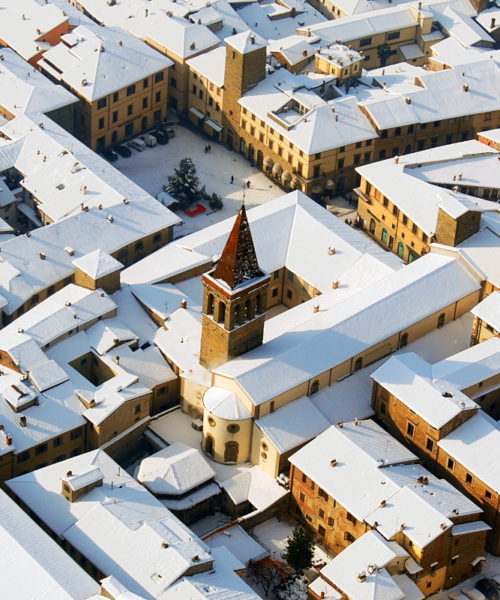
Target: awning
<point x="477" y="560"/>
<point x="330" y="184"/>
<point x="215" y="126"/>
<point x="197" y="112"/>
<point x="277" y="170"/>
<point x="268" y="162"/>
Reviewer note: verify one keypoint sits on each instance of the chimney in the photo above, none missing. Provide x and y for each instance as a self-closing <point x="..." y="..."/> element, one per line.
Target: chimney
<point x="408" y="100"/>
<point x="335" y="284"/>
<point x="69" y="474"/>
<point x="396" y="160"/>
<point x="316" y="308"/>
<point x="42" y="256"/>
<point x="331" y="251"/>
<point x="184" y="303"/>
<point x="8" y="440"/>
<point x="382" y="503"/>
<point x="22" y="421"/>
<point x="493" y="23"/>
<point x="333" y="462"/>
<point x="466" y="87"/>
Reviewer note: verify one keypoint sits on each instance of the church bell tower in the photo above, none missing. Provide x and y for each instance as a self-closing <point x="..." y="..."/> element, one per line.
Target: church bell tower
<point x="234" y="299"/>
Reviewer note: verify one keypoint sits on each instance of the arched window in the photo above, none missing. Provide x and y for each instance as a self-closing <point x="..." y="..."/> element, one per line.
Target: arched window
<point x="209" y="445"/>
<point x="373" y="225"/>
<point x="385" y="235"/>
<point x="358" y="363"/>
<point x="238" y="314"/>
<point x="210" y="304"/>
<point x="401" y="249"/>
<point x="403" y="341"/>
<point x="260" y="304"/>
<point x="221" y="313"/>
<point x="231" y="452"/>
<point x="441" y="319"/>
<point x="314" y="387"/>
<point x="248" y="310"/>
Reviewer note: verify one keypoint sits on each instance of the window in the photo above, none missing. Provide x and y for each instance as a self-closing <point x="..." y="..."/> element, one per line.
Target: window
<point x="144" y="103"/>
<point x="23" y="457"/>
<point x="357" y="159"/>
<point x="437" y="123"/>
<point x="385" y="202"/>
<point x="331" y="522"/>
<point x="423" y="125"/>
<point x="274" y="292"/>
<point x="383" y="408"/>
<point x="139" y="246"/>
<point x="116" y="96"/>
<point x="441" y="320"/>
<point x="411" y="128"/>
<point x="137" y="409"/>
<point x="321" y="513"/>
<point x="367" y="157"/>
<point x="41" y="449"/>
<point x="358" y="144"/>
<point x="60" y="458"/>
<point x="76" y="433"/>
<point x="101" y="123"/>
<point x="381" y="154"/>
<point x="410" y="429"/>
<point x="114" y="116"/>
<point x="302" y="497"/>
<point x="102" y="103"/>
<point x="397" y="131"/>
<point x="159" y="77"/>
<point x="394" y="35"/>
<point x="429" y="444"/>
<point x="50" y="290"/>
<point x="365" y="41"/>
<point x="395" y="211"/>
<point x="348" y="537"/>
<point x="173" y="82"/>
<point x="342" y="149"/>
<point x="304" y="478"/>
<point x="130" y="90"/>
<point x="414" y="229"/>
<point x="340" y="163"/>
<point x="157" y="238"/>
<point x="383" y="134"/>
<point x="468" y="478"/>
<point x="58" y="441"/>
<point x="321" y="531"/>
<point x="145" y="83"/>
<point x="289" y="294"/>
<point x="322" y="494"/>
<point x="351" y="518"/>
<point x="130" y="109"/>
<point x="233" y="428"/>
<point x="312" y="485"/>
<point x="450" y="464"/>
<point x="487" y="494"/>
<point x="158" y="97"/>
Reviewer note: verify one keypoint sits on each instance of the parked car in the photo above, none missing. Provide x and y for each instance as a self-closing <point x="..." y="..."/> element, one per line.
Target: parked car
<point x="473" y="593"/>
<point x="122" y="150"/>
<point x="110" y="155"/>
<point x="149" y="139"/>
<point x="457" y="596"/>
<point x="489" y="588"/>
<point x="137" y="144"/>
<point x="169" y="131"/>
<point x="161" y="136"/>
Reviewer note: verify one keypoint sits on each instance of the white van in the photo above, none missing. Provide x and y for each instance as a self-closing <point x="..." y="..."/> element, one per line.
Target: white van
<point x="136" y="144"/>
<point x="472" y="593"/>
<point x="149" y="139"/>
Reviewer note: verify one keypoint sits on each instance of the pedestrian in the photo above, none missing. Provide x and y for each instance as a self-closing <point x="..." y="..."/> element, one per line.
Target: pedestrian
<point x="205" y="150"/>
<point x="248" y="183"/>
<point x="232" y="179"/>
<point x="209" y="147"/>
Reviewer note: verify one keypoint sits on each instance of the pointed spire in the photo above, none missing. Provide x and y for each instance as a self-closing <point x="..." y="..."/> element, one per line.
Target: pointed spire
<point x="238" y="262"/>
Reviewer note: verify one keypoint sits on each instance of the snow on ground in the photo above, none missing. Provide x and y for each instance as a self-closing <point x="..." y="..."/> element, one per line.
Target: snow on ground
<point x="151" y="167"/>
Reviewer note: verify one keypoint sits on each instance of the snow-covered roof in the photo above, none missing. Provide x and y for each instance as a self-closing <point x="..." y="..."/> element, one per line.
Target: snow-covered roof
<point x="437" y="95"/>
<point x="97" y="264"/>
<point x="24" y="25"/>
<point x="464" y="28"/>
<point x="82" y="479"/>
<point x="224" y="404"/>
<point x="470" y="443"/>
<point x="210" y="65"/>
<point x="331" y="337"/>
<point x="33" y="565"/>
<point x="254" y="485"/>
<point x="238" y="542"/>
<point x="477" y="251"/>
<point x="410" y="379"/>
<point x="175" y="470"/>
<point x="408" y="183"/>
<point x="356" y="465"/>
<point x="222" y="583"/>
<point x="246" y="41"/>
<point x="369" y="555"/>
<point x="119" y="526"/>
<point x="320" y="124"/>
<point x="95" y="62"/>
<point x="23" y="89"/>
<point x="471" y="366"/>
<point x="489" y="310"/>
<point x="450" y="53"/>
<point x="71" y="307"/>
<point x="292" y="425"/>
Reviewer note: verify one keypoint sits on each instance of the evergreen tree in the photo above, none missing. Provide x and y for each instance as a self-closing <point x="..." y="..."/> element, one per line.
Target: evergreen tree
<point x="183" y="185"/>
<point x="299" y="550"/>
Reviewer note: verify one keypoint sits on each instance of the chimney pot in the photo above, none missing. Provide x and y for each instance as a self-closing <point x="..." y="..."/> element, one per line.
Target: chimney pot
<point x="184" y="303"/>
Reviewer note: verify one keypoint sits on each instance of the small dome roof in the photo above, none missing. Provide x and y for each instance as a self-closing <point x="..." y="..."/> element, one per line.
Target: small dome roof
<point x="224" y="405"/>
